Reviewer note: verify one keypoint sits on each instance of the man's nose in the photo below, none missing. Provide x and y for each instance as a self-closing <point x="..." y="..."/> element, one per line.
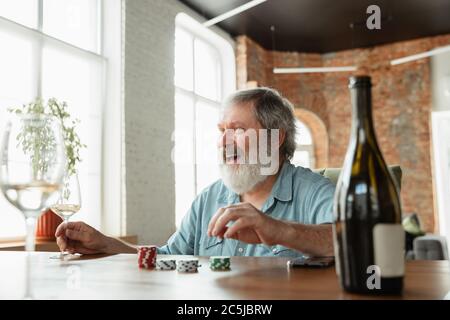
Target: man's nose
<point x="226" y="138"/>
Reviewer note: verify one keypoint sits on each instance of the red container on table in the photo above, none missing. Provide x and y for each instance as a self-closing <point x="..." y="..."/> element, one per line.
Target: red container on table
<point x="46" y="226"/>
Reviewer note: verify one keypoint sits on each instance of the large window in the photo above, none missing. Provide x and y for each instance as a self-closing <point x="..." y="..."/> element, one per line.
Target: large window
<point x="304" y="152"/>
<point x="51" y="48"/>
<point x="204" y="75"/>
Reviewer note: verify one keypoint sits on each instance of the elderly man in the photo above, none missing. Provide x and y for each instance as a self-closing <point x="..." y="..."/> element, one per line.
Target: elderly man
<point x="248" y="212"/>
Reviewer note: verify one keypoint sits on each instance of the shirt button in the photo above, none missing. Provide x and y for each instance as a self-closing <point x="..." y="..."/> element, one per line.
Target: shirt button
<point x="274" y="250"/>
<point x="241" y="250"/>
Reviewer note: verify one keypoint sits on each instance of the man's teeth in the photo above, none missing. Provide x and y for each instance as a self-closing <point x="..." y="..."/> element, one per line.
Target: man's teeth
<point x="232" y="157"/>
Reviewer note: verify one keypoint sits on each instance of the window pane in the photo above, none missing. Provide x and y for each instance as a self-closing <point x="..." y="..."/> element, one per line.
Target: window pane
<point x="303" y="135"/>
<point x="16" y="88"/>
<point x="21" y="11"/>
<point x="77" y="80"/>
<point x="301" y="158"/>
<point x="207" y="71"/>
<point x="184" y="74"/>
<point x="184" y="154"/>
<point x="207" y="116"/>
<point x="73" y="21"/>
<point x="16" y="71"/>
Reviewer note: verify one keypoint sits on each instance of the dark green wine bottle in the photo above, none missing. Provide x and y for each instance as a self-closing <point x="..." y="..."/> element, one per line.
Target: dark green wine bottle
<point x="368" y="235"/>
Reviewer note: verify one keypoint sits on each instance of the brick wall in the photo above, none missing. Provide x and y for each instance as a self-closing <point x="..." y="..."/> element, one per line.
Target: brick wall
<point x="401" y="105"/>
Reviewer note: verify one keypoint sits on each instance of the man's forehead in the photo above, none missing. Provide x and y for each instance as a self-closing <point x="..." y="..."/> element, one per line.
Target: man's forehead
<point x="239" y="112"/>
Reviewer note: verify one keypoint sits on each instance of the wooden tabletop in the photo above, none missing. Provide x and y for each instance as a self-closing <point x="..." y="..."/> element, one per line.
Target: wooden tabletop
<point x="118" y="277"/>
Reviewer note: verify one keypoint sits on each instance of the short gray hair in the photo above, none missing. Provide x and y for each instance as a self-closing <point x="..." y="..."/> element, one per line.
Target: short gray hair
<point x="273" y="111"/>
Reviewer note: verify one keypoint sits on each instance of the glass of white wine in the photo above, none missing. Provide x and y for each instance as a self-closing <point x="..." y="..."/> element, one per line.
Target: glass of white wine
<point x="32" y="166"/>
<point x="68" y="203"/>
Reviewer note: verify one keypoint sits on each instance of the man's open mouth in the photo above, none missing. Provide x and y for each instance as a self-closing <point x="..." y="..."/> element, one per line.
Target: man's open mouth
<point x="232" y="158"/>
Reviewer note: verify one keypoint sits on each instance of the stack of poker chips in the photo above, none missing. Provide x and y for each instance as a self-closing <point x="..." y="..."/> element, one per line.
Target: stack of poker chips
<point x="219" y="263"/>
<point x="166" y="264"/>
<point x="146" y="257"/>
<point x="187" y="265"/>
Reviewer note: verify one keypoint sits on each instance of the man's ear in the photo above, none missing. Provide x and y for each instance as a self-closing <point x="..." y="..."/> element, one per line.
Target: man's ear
<point x="281" y="137"/>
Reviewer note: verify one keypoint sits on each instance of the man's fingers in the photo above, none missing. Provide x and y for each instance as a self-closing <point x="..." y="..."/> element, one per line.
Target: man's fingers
<point x="77" y="235"/>
<point x="60" y="230"/>
<point x="222" y="232"/>
<point x="235" y="205"/>
<point x="229" y="214"/>
<point x="78" y="247"/>
<point x="239" y="224"/>
<point x="61" y="242"/>
<point x="211" y="224"/>
<point x="77" y="225"/>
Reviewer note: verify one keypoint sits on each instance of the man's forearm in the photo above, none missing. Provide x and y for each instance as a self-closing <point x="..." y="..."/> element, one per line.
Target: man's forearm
<point x="316" y="240"/>
<point x="114" y="246"/>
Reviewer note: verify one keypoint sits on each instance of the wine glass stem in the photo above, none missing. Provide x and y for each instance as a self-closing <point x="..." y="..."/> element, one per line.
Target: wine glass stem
<point x="65" y="221"/>
<point x="30" y="243"/>
<point x="28" y="293"/>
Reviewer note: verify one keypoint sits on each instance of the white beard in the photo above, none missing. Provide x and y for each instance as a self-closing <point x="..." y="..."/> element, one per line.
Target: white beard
<point x="241" y="178"/>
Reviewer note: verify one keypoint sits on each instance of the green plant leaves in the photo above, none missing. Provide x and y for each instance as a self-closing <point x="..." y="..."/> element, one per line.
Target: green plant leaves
<point x="58" y="109"/>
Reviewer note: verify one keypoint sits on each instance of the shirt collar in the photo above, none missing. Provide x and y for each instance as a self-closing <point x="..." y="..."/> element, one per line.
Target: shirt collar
<point x="282" y="189"/>
<point x="228" y="196"/>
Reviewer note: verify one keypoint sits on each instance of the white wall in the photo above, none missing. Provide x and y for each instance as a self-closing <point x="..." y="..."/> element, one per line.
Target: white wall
<point x="440" y="70"/>
<point x="149" y="117"/>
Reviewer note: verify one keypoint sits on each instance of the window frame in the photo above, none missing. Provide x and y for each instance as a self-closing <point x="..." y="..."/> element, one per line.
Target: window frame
<point x="225" y="52"/>
<point x="108" y="54"/>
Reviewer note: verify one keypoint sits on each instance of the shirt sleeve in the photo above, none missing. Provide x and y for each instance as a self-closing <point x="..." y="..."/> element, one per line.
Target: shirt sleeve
<point x="183" y="240"/>
<point x="321" y="205"/>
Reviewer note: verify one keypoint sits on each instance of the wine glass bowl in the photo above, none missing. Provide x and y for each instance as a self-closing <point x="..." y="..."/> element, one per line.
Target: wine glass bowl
<point x="69" y="201"/>
<point x="32" y="165"/>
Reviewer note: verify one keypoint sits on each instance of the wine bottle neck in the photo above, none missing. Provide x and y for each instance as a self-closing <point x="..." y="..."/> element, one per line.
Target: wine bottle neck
<point x="362" y="123"/>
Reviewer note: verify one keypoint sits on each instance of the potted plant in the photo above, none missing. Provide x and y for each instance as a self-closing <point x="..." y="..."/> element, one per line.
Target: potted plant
<point x="49" y="221"/>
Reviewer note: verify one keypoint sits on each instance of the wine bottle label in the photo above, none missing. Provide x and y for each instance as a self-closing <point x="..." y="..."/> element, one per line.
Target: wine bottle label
<point x="389" y="249"/>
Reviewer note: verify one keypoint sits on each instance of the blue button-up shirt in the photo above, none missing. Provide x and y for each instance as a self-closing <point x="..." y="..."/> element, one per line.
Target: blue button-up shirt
<point x="298" y="195"/>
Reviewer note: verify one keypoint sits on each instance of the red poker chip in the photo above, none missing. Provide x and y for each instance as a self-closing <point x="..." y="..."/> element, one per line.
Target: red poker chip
<point x="147" y="257"/>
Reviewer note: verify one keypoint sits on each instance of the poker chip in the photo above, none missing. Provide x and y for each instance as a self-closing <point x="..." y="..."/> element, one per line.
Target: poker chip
<point x="147" y="257"/>
<point x="166" y="264"/>
<point x="219" y="263"/>
<point x="187" y="265"/>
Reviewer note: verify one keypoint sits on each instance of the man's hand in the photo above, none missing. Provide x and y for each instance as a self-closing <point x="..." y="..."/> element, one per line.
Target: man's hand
<point x="250" y="225"/>
<point x="254" y="227"/>
<point x="78" y="237"/>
